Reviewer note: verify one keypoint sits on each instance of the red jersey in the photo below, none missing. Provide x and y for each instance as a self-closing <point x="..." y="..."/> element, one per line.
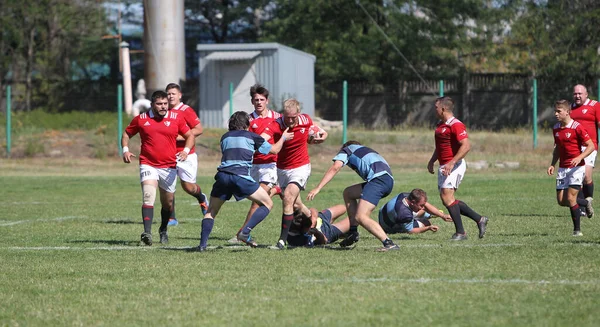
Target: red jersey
<point x="295" y="151"/>
<point x="158" y="135"/>
<point x="258" y="125"/>
<point x="447" y="136"/>
<point x="588" y="115"/>
<point x="191" y="119"/>
<point x="569" y="140"/>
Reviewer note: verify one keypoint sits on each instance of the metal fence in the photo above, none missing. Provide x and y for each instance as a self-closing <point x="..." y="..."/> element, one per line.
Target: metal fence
<point x="483" y="101"/>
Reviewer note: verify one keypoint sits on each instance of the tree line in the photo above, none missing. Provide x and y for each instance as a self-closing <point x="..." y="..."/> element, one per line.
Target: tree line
<point x="48" y="47"/>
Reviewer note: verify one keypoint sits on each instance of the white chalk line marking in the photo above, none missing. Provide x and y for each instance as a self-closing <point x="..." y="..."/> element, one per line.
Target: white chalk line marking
<point x="12" y="223"/>
<point x="451" y="281"/>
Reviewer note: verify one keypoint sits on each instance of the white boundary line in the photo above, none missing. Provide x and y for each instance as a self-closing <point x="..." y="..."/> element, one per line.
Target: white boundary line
<point x="451" y="281"/>
<point x="11" y="223"/>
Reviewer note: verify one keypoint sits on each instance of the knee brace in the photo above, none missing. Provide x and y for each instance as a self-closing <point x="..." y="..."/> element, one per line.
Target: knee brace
<point x="148" y="194"/>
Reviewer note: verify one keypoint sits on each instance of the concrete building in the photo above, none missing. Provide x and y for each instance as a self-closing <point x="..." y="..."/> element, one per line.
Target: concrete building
<point x="285" y="71"/>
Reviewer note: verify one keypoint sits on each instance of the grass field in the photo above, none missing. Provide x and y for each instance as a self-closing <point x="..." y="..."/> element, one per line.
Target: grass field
<point x="69" y="255"/>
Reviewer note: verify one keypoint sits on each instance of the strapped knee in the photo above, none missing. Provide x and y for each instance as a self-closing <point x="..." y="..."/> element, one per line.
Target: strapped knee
<point x="149" y="194"/>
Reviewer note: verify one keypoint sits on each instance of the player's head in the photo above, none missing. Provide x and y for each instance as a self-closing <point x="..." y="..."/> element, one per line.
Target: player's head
<point x="174" y="94"/>
<point x="562" y="110"/>
<point x="350" y="143"/>
<point x="443" y="105"/>
<point x="239" y="121"/>
<point x="303" y="221"/>
<point x="580" y="94"/>
<point x="259" y="97"/>
<point x="291" y="110"/>
<point x="416" y="199"/>
<point x="160" y="104"/>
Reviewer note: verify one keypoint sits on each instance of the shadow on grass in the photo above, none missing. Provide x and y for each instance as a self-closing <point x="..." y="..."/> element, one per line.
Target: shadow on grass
<point x="526" y="215"/>
<point x="123" y="222"/>
<point x="524" y="234"/>
<point x="108" y="242"/>
<point x="583" y="242"/>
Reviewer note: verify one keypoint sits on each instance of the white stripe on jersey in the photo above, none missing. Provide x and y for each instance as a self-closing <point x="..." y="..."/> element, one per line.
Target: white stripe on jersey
<point x="452" y="121"/>
<point x="302" y="119"/>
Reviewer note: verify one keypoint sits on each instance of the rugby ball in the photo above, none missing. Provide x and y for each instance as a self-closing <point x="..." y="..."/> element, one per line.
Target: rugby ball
<point x="314" y="131"/>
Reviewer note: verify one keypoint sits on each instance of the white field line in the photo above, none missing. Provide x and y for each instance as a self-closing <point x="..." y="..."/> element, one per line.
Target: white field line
<point x="514" y="281"/>
<point x="11" y="223"/>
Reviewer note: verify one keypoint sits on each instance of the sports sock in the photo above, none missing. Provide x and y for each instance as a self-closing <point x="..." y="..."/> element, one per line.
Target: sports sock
<point x="207" y="226"/>
<point x="387" y="242"/>
<point x="197" y="193"/>
<point x="467" y="211"/>
<point x="147" y="215"/>
<point x="576" y="216"/>
<point x="165" y="214"/>
<point x="581" y="202"/>
<point x="588" y="190"/>
<point x="259" y="215"/>
<point x="286" y="222"/>
<point x="173" y="212"/>
<point x="454" y="211"/>
<point x="353" y="229"/>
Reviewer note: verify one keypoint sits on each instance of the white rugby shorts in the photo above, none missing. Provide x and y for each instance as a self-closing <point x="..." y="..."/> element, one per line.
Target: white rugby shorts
<point x="297" y="175"/>
<point x="569" y="176"/>
<point x="166" y="177"/>
<point x="187" y="170"/>
<point x="264" y="173"/>
<point x="591" y="159"/>
<point x="455" y="178"/>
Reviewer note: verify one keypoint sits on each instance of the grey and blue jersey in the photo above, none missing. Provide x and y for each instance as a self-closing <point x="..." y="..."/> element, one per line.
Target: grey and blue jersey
<point x="395" y="216"/>
<point x="238" y="149"/>
<point x="366" y="162"/>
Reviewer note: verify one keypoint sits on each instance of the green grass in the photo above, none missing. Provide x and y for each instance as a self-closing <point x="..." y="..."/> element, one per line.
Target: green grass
<point x="69" y="256"/>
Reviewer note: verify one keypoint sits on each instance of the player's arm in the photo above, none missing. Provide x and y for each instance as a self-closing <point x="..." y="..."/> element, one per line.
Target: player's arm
<point x="331" y="172"/>
<point x="464" y="148"/>
<point x="423" y="229"/>
<point x="436" y="212"/>
<point x="286" y="135"/>
<point x="320" y="238"/>
<point x="434" y="158"/>
<point x="555" y="156"/>
<point x="127" y="155"/>
<point x="589" y="148"/>
<point x="190" y="140"/>
<point x="320" y="137"/>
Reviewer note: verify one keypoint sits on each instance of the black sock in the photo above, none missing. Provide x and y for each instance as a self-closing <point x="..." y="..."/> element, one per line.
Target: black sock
<point x="165" y="214"/>
<point x="147" y="215"/>
<point x="198" y="194"/>
<point x="576" y="216"/>
<point x="353" y="229"/>
<point x="207" y="226"/>
<point x="387" y="242"/>
<point x="259" y="215"/>
<point x="454" y="212"/>
<point x="581" y="202"/>
<point x="286" y="222"/>
<point x="467" y="211"/>
<point x="588" y="190"/>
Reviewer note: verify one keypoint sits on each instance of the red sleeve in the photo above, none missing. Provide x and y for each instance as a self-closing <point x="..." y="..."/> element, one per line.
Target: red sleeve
<point x="582" y="134"/>
<point x="460" y="131"/>
<point x="190" y="117"/>
<point x="182" y="126"/>
<point x="133" y="127"/>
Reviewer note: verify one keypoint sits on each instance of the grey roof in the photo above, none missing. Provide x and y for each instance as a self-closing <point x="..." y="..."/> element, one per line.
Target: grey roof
<point x="232" y="55"/>
<point x="250" y="47"/>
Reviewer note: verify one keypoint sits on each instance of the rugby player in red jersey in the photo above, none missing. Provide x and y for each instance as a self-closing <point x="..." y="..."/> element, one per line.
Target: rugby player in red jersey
<point x="264" y="166"/>
<point x="158" y="129"/>
<point x="451" y="146"/>
<point x="587" y="113"/>
<point x="293" y="162"/>
<point x="569" y="138"/>
<point x="187" y="169"/>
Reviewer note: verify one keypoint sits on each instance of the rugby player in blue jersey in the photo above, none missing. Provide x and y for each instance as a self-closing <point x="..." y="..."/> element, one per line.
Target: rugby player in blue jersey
<point x="361" y="199"/>
<point x="233" y="176"/>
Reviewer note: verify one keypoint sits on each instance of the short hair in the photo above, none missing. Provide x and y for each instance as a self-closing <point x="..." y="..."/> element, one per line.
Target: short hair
<point x="291" y="104"/>
<point x="350" y="143"/>
<point x="158" y="95"/>
<point x="446" y="102"/>
<point x="417" y="194"/>
<point x="563" y="104"/>
<point x="259" y="89"/>
<point x="173" y="86"/>
<point x="239" y="121"/>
